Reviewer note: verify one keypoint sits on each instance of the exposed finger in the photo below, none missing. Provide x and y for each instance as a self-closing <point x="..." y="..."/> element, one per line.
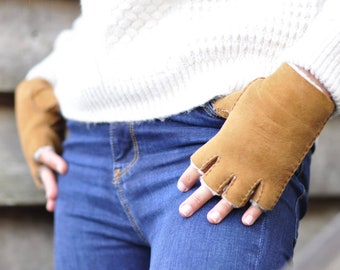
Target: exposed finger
<point x="195" y="201"/>
<point x="54" y="161"/>
<point x="50" y="184"/>
<point x="220" y="211"/>
<point x="188" y="178"/>
<point x="251" y="215"/>
<point x="50" y="205"/>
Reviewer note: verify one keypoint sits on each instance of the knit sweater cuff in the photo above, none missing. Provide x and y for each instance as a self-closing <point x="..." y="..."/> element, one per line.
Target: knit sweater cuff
<point x="318" y="51"/>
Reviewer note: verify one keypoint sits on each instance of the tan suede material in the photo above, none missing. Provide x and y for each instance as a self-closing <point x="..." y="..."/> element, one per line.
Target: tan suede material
<point x="223" y="106"/>
<point x="38" y="120"/>
<point x="266" y="136"/>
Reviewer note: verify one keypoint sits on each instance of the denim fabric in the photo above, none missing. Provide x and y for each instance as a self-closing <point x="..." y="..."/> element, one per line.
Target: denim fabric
<point x="118" y="204"/>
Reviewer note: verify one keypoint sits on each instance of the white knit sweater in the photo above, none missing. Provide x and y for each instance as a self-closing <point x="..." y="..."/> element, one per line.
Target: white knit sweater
<point x="128" y="60"/>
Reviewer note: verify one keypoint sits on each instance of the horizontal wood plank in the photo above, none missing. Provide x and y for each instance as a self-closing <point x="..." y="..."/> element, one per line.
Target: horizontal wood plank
<point x="28" y="30"/>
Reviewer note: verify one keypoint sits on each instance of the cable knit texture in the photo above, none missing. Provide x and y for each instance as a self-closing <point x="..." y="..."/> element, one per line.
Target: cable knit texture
<point x="129" y="60"/>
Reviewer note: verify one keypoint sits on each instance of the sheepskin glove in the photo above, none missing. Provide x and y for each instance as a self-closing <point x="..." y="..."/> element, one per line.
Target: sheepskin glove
<point x="268" y="132"/>
<point x="39" y="121"/>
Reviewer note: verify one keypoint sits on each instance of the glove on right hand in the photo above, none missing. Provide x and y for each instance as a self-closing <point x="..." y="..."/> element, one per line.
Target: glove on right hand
<point x="267" y="134"/>
<point x="39" y="121"/>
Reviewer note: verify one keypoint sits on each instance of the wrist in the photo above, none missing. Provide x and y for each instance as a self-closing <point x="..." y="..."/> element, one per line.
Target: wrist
<point x="310" y="78"/>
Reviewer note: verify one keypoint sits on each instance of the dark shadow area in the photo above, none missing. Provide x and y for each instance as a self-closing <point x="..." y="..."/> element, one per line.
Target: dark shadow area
<point x="7" y="100"/>
<point x="26" y="237"/>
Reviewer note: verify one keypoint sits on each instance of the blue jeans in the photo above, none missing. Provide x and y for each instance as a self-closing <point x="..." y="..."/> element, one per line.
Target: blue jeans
<point x="118" y="204"/>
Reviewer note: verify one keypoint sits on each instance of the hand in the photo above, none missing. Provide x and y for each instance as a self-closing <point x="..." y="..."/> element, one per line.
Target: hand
<point x="52" y="163"/>
<point x="203" y="194"/>
<point x="269" y="130"/>
<point x="39" y="121"/>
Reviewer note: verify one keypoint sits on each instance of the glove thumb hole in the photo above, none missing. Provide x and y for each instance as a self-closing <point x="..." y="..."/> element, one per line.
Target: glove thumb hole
<point x="224" y="105"/>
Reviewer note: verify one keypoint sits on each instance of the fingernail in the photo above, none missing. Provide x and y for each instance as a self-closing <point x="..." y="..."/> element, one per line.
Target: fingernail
<point x="49" y="206"/>
<point x="249" y="220"/>
<point x="181" y="186"/>
<point x="215" y="217"/>
<point x="59" y="168"/>
<point x="185" y="210"/>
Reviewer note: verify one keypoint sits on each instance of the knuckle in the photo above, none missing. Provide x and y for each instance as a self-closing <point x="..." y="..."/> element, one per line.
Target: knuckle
<point x="197" y="199"/>
<point x="225" y="205"/>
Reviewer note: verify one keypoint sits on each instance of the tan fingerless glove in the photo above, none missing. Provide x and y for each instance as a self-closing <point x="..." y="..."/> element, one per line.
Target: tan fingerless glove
<point x="38" y="119"/>
<point x="266" y="136"/>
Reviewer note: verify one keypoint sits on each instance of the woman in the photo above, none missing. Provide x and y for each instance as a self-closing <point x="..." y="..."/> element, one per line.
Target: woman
<point x="145" y="87"/>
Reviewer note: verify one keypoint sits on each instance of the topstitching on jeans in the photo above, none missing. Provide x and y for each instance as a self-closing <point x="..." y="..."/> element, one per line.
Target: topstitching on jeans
<point x="260" y="246"/>
<point x="298" y="214"/>
<point x="120" y="172"/>
<point x="124" y="202"/>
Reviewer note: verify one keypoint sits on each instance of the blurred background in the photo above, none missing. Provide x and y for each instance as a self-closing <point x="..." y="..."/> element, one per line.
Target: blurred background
<point x="27" y="31"/>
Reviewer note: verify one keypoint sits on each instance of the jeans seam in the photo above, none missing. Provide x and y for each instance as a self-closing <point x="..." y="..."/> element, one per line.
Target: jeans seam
<point x="260" y="244"/>
<point x="297" y="208"/>
<point x="119" y="173"/>
<point x="297" y="218"/>
<point x="128" y="211"/>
